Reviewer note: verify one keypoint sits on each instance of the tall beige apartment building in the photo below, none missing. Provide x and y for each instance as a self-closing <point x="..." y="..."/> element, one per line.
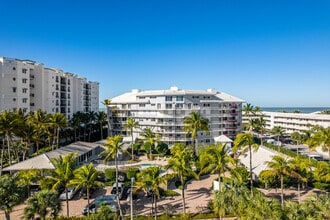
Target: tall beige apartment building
<point x="164" y="110"/>
<point x="30" y="85"/>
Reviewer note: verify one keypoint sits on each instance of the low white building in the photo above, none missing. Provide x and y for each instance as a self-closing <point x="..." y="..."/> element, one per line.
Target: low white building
<point x="293" y="122"/>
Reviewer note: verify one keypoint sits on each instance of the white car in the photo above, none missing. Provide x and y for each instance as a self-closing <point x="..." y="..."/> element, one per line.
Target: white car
<point x="71" y="192"/>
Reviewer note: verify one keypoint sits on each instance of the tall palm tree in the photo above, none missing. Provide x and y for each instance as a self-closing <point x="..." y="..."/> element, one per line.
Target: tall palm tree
<point x="26" y="177"/>
<point x="278" y="131"/>
<point x="217" y="160"/>
<point x="40" y="119"/>
<point x="151" y="178"/>
<point x="86" y="176"/>
<point x="248" y="109"/>
<point x="261" y="127"/>
<point x="107" y="103"/>
<point x="41" y="204"/>
<point x="57" y="121"/>
<point x="281" y="168"/>
<point x="300" y="169"/>
<point x="114" y="146"/>
<point x="194" y="123"/>
<point x="63" y="174"/>
<point x="130" y="125"/>
<point x="246" y="140"/>
<point x="7" y="128"/>
<point x="181" y="164"/>
<point x="150" y="139"/>
<point x="101" y="118"/>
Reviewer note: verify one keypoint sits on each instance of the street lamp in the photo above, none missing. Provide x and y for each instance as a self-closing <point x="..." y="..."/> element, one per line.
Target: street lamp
<point x="132" y="184"/>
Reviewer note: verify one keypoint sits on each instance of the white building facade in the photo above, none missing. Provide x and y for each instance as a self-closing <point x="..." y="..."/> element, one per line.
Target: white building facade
<point x="30" y="86"/>
<point x="295" y="122"/>
<point x="164" y="110"/>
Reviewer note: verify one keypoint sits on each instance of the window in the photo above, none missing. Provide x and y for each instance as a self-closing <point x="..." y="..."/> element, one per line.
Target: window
<point x="24" y="90"/>
<point x="179" y="98"/>
<point x="14" y="89"/>
<point x="14" y="68"/>
<point x="159" y="106"/>
<point x="14" y="79"/>
<point x="178" y="105"/>
<point x="24" y="100"/>
<point x="168" y="98"/>
<point x="14" y="99"/>
<point x="24" y="70"/>
<point x="142" y="105"/>
<point x="168" y="106"/>
<point x="24" y="80"/>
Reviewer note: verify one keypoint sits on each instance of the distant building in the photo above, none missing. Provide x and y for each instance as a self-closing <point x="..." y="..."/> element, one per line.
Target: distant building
<point x="293" y="122"/>
<point x="29" y="85"/>
<point x="164" y="110"/>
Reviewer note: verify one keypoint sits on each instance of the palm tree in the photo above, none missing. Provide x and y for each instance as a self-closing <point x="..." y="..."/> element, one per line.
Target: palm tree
<point x="322" y="138"/>
<point x="281" y="168"/>
<point x="278" y="131"/>
<point x="86" y="176"/>
<point x="150" y="140"/>
<point x="181" y="164"/>
<point x="57" y="121"/>
<point x="10" y="193"/>
<point x="261" y="127"/>
<point x="216" y="159"/>
<point x="114" y="146"/>
<point x="248" y="109"/>
<point x="151" y="178"/>
<point x="246" y="140"/>
<point x="130" y="125"/>
<point x="101" y="118"/>
<point x="300" y="169"/>
<point x="26" y="177"/>
<point x="41" y="204"/>
<point x="7" y="128"/>
<point x="40" y="120"/>
<point x="63" y="174"/>
<point x="192" y="124"/>
<point x="107" y="103"/>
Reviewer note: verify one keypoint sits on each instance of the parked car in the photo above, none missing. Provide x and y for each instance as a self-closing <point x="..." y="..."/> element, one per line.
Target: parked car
<point x="120" y="190"/>
<point x="71" y="192"/>
<point x="109" y="201"/>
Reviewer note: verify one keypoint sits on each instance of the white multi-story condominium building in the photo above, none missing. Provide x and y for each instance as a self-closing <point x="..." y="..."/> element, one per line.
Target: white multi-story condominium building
<point x="30" y="86"/>
<point x="292" y="122"/>
<point x="164" y="110"/>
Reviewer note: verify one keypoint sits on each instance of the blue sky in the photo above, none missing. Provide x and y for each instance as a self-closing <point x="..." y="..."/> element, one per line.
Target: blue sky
<point x="269" y="53"/>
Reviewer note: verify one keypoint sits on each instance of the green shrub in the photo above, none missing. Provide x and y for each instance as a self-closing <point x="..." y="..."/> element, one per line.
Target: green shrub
<point x="110" y="173"/>
<point x="322" y="186"/>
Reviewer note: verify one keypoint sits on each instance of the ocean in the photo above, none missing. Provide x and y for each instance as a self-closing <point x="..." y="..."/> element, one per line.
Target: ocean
<point x="291" y="109"/>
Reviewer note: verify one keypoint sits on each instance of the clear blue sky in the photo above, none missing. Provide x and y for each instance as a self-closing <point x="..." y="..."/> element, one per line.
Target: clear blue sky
<point x="269" y="53"/>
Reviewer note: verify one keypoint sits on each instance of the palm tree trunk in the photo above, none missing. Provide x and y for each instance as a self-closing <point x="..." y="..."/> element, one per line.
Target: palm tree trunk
<point x="67" y="201"/>
<point x="282" y="193"/>
<point x="8" y="148"/>
<point x="298" y="192"/>
<point x="58" y="137"/>
<point x="117" y="191"/>
<point x="251" y="179"/>
<point x="101" y="131"/>
<point x="196" y="146"/>
<point x="183" y="198"/>
<point x="7" y="214"/>
<point x="155" y="199"/>
<point x="87" y="188"/>
<point x="132" y="146"/>
<point x="2" y="154"/>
